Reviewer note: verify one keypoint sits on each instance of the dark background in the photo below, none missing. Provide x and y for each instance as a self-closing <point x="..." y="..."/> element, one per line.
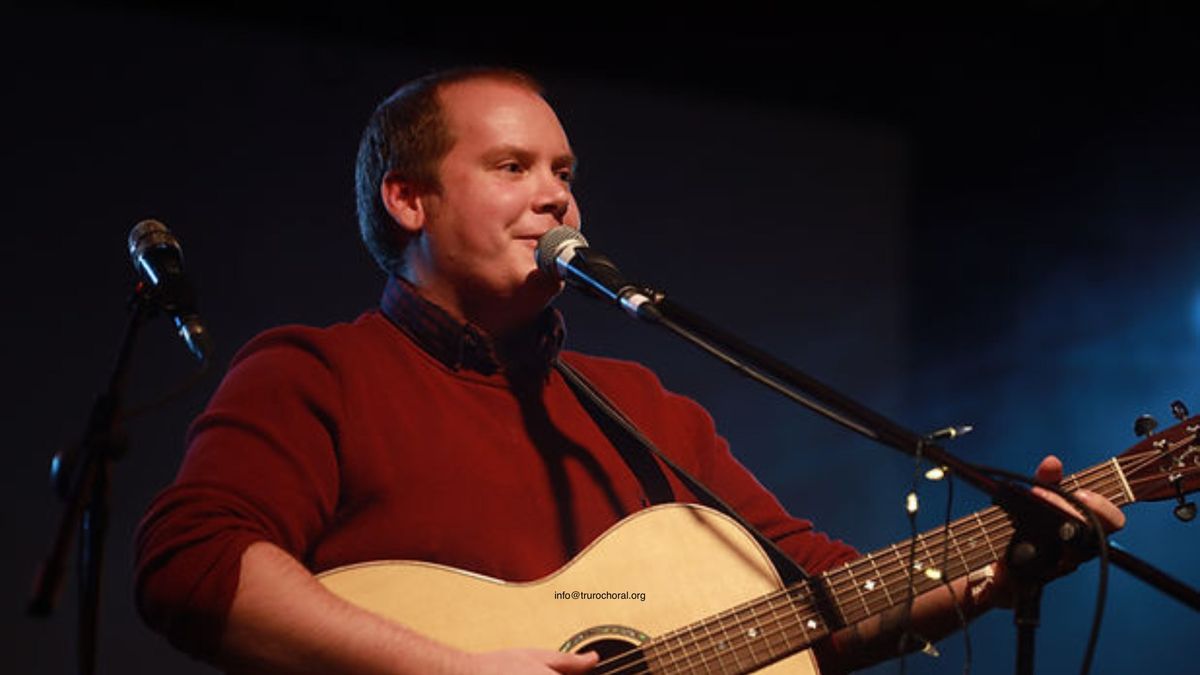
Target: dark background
<point x="957" y="220"/>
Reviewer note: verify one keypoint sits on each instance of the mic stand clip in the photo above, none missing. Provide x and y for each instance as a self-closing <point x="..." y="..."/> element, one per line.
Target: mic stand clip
<point x="1037" y="547"/>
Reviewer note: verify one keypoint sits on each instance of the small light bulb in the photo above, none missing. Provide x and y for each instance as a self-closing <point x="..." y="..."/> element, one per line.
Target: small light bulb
<point x="910" y="503"/>
<point x="936" y="473"/>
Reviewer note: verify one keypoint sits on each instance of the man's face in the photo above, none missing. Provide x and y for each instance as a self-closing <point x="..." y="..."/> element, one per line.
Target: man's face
<point x="504" y="183"/>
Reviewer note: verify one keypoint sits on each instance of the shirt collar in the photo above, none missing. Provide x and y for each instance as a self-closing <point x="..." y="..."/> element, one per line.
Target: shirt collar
<point x="464" y="346"/>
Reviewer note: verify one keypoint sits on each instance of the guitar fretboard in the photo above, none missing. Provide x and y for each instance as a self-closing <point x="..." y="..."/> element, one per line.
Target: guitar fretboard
<point x="875" y="582"/>
<point x="766" y="629"/>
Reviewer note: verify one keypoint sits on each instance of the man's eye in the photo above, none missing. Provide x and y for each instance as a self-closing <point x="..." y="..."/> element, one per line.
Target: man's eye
<point x="566" y="176"/>
<point x="512" y="167"/>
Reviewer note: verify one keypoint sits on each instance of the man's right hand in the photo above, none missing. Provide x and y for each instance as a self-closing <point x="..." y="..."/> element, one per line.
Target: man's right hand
<point x="533" y="661"/>
<point x="284" y="621"/>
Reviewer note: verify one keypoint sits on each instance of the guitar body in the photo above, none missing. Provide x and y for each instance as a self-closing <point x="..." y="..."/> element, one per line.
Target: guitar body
<point x="677" y="563"/>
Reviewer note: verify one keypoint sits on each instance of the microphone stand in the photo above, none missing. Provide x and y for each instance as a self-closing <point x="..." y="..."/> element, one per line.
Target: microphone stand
<point x="1041" y="529"/>
<point x="80" y="476"/>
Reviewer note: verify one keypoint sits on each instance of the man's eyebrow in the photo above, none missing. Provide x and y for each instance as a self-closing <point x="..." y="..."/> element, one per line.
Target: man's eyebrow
<point x="565" y="159"/>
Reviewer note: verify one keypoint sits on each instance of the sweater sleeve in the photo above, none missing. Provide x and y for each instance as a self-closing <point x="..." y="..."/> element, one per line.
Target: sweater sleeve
<point x="722" y="473"/>
<point x="686" y="433"/>
<point x="260" y="466"/>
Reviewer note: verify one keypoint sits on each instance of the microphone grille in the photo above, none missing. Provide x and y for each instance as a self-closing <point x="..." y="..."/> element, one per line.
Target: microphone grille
<point x="150" y="234"/>
<point x="551" y="244"/>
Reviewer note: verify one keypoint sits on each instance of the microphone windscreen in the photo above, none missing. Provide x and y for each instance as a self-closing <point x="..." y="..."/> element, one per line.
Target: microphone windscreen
<point x="551" y="244"/>
<point x="150" y="234"/>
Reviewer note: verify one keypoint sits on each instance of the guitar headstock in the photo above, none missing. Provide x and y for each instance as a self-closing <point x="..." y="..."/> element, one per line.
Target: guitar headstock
<point x="1165" y="464"/>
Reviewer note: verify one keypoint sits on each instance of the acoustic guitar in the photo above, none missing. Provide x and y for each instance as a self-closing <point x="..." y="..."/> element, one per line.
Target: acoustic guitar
<point x="680" y="588"/>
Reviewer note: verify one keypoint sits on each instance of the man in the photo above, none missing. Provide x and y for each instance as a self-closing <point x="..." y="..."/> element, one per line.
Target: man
<point x="435" y="428"/>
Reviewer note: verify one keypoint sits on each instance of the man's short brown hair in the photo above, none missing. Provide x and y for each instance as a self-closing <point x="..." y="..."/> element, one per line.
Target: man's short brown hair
<point x="407" y="135"/>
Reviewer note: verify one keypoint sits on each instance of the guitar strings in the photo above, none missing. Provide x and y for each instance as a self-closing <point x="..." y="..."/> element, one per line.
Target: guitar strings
<point x="754" y="616"/>
<point x="688" y="636"/>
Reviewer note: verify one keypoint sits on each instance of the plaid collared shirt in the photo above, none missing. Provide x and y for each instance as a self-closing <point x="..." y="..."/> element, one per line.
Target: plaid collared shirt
<point x="461" y="345"/>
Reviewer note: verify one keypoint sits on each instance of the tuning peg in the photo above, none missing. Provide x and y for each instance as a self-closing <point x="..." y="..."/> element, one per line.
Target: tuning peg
<point x="1186" y="511"/>
<point x="1144" y="425"/>
<point x="1179" y="410"/>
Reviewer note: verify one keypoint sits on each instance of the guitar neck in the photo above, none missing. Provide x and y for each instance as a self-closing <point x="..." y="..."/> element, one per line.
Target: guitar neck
<point x="759" y="632"/>
<point x="881" y="580"/>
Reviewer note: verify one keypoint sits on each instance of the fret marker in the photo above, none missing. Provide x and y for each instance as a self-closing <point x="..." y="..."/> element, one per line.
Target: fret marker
<point x="870" y="585"/>
<point x="918" y="566"/>
<point x="721" y="646"/>
<point x="933" y="573"/>
<point x="753" y="632"/>
<point x="811" y="623"/>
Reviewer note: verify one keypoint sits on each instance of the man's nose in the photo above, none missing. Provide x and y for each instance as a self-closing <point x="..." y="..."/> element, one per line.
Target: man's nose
<point x="554" y="197"/>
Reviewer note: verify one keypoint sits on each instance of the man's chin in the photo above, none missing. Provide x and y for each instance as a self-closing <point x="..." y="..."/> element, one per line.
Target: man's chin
<point x="538" y="284"/>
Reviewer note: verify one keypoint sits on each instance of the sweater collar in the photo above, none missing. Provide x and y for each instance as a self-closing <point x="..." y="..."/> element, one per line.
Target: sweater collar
<point x="464" y="346"/>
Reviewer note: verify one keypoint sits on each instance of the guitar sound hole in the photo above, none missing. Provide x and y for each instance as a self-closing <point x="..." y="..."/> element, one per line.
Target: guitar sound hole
<point x="606" y="647"/>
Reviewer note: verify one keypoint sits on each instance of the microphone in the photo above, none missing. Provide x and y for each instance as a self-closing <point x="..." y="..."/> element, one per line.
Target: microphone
<point x="564" y="254"/>
<point x="156" y="255"/>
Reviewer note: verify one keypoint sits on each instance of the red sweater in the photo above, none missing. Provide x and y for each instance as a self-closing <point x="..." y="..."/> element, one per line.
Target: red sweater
<point x="362" y="442"/>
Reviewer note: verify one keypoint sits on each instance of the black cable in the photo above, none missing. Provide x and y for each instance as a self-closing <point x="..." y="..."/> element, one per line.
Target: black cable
<point x="958" y="610"/>
<point x="910" y="594"/>
<point x="175" y="392"/>
<point x="960" y="615"/>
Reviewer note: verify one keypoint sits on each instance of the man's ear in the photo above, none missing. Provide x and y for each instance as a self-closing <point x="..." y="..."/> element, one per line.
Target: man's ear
<point x="404" y="201"/>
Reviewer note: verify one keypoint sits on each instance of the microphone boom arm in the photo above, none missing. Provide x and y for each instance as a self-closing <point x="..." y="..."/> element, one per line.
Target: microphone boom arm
<point x="826" y="401"/>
